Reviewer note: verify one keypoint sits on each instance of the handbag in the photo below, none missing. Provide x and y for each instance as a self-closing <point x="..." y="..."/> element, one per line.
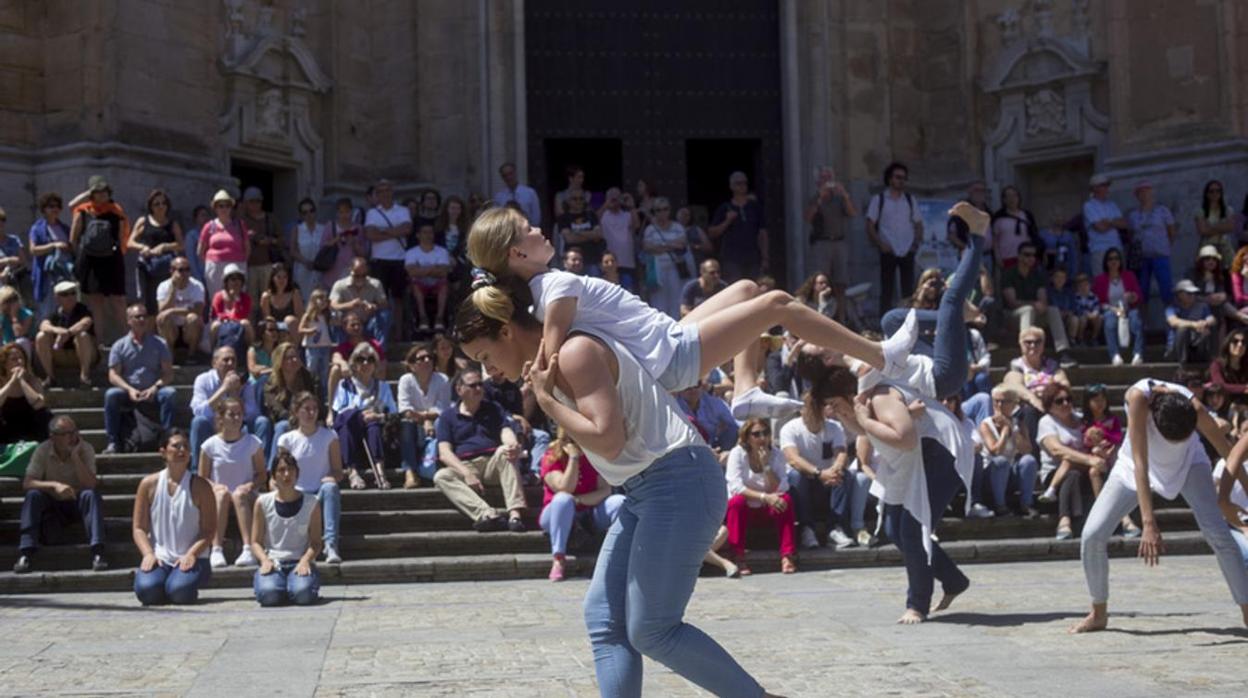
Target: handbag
<point x="682" y="267"/>
<point x="652" y="271"/>
<point x="157" y="266"/>
<point x="325" y="258"/>
<point x="15" y="457"/>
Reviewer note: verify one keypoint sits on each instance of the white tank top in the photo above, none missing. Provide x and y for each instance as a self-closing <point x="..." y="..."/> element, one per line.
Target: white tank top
<point x="287" y="536"/>
<point x="653" y="423"/>
<point x="175" y="519"/>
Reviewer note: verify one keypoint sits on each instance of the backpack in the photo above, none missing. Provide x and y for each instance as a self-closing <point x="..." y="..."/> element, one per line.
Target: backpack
<point x="98" y="239"/>
<point x="144" y="436"/>
<point x="880" y="206"/>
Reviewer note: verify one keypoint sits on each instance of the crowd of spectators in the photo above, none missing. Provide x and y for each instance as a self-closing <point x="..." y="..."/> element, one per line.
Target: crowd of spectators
<point x="296" y="401"/>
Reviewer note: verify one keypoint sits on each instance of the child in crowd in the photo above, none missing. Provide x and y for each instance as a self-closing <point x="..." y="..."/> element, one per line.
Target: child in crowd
<point x="234" y="463"/>
<point x="1062" y="297"/>
<point x="1061" y="248"/>
<point x="232" y="304"/>
<point x="1087" y="312"/>
<point x="428" y="266"/>
<point x="318" y="345"/>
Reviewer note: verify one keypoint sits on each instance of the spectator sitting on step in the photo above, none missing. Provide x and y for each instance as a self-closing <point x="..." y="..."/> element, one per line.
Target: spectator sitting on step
<point x="477" y="444"/>
<point x="174" y="522"/>
<point x="363" y="295"/>
<point x="1088" y="317"/>
<point x="1006" y="449"/>
<point x="1121" y="301"/>
<point x="214" y="386"/>
<point x="340" y="364"/>
<point x="423" y="394"/>
<point x="233" y="462"/>
<point x="712" y="414"/>
<point x="1061" y="293"/>
<point x="140" y="368"/>
<point x="1214" y="288"/>
<point x="574" y="261"/>
<point x="232" y="305"/>
<point x="1230" y="368"/>
<point x="289" y="379"/>
<point x="758" y="492"/>
<point x="706" y="285"/>
<point x="286" y="539"/>
<point x="24" y="414"/>
<point x="445" y="360"/>
<point x="1030" y="374"/>
<point x="180" y="307"/>
<point x="572" y="493"/>
<point x="260" y="354"/>
<point x="69" y="332"/>
<point x="428" y="266"/>
<point x="814" y="447"/>
<point x="1023" y="288"/>
<point x="282" y="299"/>
<point x="60" y="486"/>
<point x="358" y="414"/>
<point x="1191" y="322"/>
<point x="17" y="322"/>
<point x="316" y="449"/>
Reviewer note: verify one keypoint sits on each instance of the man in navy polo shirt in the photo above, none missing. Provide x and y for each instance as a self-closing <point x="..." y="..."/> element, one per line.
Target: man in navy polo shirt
<point x="477" y="445"/>
<point x="140" y="368"/>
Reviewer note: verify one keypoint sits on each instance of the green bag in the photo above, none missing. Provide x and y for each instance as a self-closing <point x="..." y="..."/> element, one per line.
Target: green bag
<point x="15" y="457"/>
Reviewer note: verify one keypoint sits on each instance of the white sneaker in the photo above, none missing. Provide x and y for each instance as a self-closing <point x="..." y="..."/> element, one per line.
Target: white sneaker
<point x="756" y="403"/>
<point x="841" y="540"/>
<point x="331" y="554"/>
<point x="217" y="559"/>
<point x="865" y="539"/>
<point x="246" y="559"/>
<point x="897" y="347"/>
<point x="1118" y="360"/>
<point x="979" y="511"/>
<point x="1137" y="360"/>
<point x="1049" y="495"/>
<point x="808" y="538"/>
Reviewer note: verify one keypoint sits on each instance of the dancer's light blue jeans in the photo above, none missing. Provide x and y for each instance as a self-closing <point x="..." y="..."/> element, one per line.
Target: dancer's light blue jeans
<point x="1242" y="541"/>
<point x="645" y="575"/>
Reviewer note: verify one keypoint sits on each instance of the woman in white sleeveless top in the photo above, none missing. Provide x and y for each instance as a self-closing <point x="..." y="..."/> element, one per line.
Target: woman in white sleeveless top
<point x="286" y="538"/>
<point x="675" y="499"/>
<point x="175" y="518"/>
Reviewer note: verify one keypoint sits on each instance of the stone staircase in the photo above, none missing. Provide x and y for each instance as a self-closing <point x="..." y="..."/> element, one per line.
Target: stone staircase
<point x="415" y="535"/>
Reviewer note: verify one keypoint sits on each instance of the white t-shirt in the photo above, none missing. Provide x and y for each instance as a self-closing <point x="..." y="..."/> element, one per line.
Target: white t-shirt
<point x="1238" y="496"/>
<point x="392" y="217"/>
<point x="411" y="397"/>
<point x="896" y="221"/>
<point x="1071" y="437"/>
<point x="1168" y="461"/>
<point x="740" y="477"/>
<point x="619" y="238"/>
<point x="610" y="310"/>
<point x="437" y="257"/>
<point x="312" y="454"/>
<point x="185" y="297"/>
<point x="818" y="448"/>
<point x="231" y="460"/>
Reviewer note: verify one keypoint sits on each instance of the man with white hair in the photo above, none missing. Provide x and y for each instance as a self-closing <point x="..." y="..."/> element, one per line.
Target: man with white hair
<point x="740" y="233"/>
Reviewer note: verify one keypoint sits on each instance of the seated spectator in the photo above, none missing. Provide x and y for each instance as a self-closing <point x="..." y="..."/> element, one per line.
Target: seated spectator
<point x="980" y="367"/>
<point x="60" y="486"/>
<point x="1191" y="324"/>
<point x="1061" y="293"/>
<point x="423" y="395"/>
<point x="232" y="305"/>
<point x="445" y="361"/>
<point x="574" y="261"/>
<point x="363" y="295"/>
<point x="358" y="414"/>
<point x="814" y="447"/>
<point x="816" y="292"/>
<point x="428" y="266"/>
<point x="286" y="539"/>
<point x="1006" y="449"/>
<point x="1121" y="301"/>
<point x="315" y="336"/>
<point x="1214" y="288"/>
<point x="24" y="414"/>
<point x="1060" y="435"/>
<point x="289" y="379"/>
<point x="353" y="337"/>
<point x="233" y="462"/>
<point x="611" y="270"/>
<point x="68" y="333"/>
<point x="180" y="307"/>
<point x="282" y="300"/>
<point x="17" y="322"/>
<point x="540" y="431"/>
<point x="711" y="414"/>
<point x="1102" y="430"/>
<point x="504" y="392"/>
<point x="214" y="386"/>
<point x="1239" y="270"/>
<point x="477" y="444"/>
<point x="140" y="368"/>
<point x="1023" y="290"/>
<point x="579" y="228"/>
<point x="1087" y="314"/>
<point x="572" y="493"/>
<point x="864" y="463"/>
<point x="1030" y="374"/>
<point x="757" y="492"/>
<point x="174" y="523"/>
<point x="1230" y="369"/>
<point x="316" y="450"/>
<point x="260" y="354"/>
<point x="706" y="285"/>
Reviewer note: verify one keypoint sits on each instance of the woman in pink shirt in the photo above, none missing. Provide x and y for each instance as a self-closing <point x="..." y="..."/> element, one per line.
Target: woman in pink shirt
<point x="572" y="491"/>
<point x="222" y="241"/>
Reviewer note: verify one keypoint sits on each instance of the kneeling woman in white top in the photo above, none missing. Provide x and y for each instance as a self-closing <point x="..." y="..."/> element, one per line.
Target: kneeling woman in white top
<point x="174" y="522"/>
<point x="675" y="498"/>
<point x="1162" y="453"/>
<point x="286" y="538"/>
<point x="234" y="463"/>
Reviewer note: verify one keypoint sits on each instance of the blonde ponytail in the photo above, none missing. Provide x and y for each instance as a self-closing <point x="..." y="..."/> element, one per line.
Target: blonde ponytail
<point x="493" y="303"/>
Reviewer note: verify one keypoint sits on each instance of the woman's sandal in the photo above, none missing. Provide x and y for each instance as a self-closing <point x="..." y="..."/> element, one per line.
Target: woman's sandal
<point x="357" y="482"/>
<point x="787" y="565"/>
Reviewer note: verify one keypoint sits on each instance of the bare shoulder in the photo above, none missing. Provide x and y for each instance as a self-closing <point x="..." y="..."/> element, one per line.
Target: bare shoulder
<point x="148" y="484"/>
<point x="585" y="360"/>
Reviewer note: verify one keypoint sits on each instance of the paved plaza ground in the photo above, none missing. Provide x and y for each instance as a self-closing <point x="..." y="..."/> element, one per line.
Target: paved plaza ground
<point x="1175" y="632"/>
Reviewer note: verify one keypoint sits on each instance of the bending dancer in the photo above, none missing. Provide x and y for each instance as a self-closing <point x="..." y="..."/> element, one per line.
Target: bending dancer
<point x="675" y="498"/>
<point x="1232" y="483"/>
<point x="503" y="244"/>
<point x="1161" y="454"/>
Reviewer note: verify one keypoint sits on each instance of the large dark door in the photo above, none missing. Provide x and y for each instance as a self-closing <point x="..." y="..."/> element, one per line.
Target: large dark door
<point x="669" y="80"/>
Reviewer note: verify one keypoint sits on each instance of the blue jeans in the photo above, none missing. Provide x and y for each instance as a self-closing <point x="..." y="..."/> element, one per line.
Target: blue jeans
<point x="283" y="586"/>
<point x="40" y="508"/>
<point x="1111" y="332"/>
<point x="981" y="383"/>
<point x="1022" y="470"/>
<point x="330" y="498"/>
<point x="271" y="452"/>
<point x="202" y="428"/>
<point x="978" y="407"/>
<point x="169" y="584"/>
<point x="646" y="572"/>
<point x="1158" y="267"/>
<point x="117" y="401"/>
<point x="318" y="359"/>
<point x="558" y="516"/>
<point x="537" y="449"/>
<point x="806" y="490"/>
<point x="413" y="444"/>
<point x="907" y="533"/>
<point x="378" y="325"/>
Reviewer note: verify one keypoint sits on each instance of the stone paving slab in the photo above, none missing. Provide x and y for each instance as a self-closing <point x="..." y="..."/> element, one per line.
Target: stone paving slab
<point x="1174" y="631"/>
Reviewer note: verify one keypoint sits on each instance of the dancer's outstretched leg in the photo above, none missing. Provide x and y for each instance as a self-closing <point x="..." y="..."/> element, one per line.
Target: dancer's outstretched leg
<point x="950" y="357"/>
<point x="749" y="400"/>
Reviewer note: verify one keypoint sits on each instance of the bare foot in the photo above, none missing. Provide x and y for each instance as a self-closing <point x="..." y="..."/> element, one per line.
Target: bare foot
<point x="976" y="219"/>
<point x="911" y="617"/>
<point x="1094" y="622"/>
<point x="947" y="600"/>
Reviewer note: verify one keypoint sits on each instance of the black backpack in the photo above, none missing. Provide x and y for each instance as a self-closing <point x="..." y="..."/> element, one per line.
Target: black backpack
<point x="99" y="235"/>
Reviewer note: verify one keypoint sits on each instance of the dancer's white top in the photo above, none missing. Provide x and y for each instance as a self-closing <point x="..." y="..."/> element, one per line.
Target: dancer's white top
<point x="1238" y="496"/>
<point x="653" y="423"/>
<point x="1168" y="461"/>
<point x="609" y="311"/>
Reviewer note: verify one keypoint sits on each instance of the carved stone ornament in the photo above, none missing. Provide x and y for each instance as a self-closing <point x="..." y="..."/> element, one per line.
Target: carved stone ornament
<point x="271" y="114"/>
<point x="1046" y="113"/>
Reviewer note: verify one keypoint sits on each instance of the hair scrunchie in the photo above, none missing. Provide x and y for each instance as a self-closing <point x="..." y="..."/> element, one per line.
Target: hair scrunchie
<point x="482" y="278"/>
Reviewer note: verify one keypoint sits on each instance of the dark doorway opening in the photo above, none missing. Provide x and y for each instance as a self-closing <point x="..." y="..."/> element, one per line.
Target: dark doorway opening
<point x="709" y="162"/>
<point x="602" y="159"/>
<point x="276" y="184"/>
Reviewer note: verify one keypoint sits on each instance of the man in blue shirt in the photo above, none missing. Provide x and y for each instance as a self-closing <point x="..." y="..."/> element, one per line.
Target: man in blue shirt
<point x="1191" y="326"/>
<point x="140" y="368"/>
<point x="710" y="413"/>
<point x="215" y="385"/>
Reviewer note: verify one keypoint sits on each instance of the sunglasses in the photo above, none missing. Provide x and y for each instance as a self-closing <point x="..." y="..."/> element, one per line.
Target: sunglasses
<point x="1235" y="341"/>
<point x="474" y="386"/>
<point x="1031" y="342"/>
<point x="1002" y="401"/>
<point x="1062" y="401"/>
<point x="223" y="205"/>
<point x="365" y="360"/>
<point x="759" y="434"/>
<point x="181" y="270"/>
<point x="306" y="211"/>
<point x="63" y="294"/>
<point x="422" y="359"/>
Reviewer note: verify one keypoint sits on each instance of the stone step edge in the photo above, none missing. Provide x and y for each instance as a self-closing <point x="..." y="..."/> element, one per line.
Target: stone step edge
<point x="537" y="565"/>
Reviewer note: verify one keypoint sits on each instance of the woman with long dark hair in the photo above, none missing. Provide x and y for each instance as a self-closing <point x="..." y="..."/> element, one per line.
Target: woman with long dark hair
<point x="1214" y="285"/>
<point x="1012" y="225"/>
<point x="1215" y="221"/>
<point x="158" y="239"/>
<point x="1230" y="368"/>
